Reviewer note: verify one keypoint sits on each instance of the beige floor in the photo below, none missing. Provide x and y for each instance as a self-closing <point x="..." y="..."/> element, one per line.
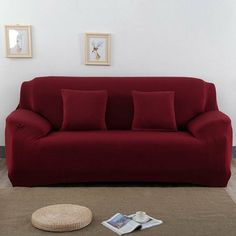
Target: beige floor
<point x="231" y="188"/>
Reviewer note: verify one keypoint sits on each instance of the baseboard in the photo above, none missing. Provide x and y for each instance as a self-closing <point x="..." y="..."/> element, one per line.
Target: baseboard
<point x="2" y="151"/>
<point x="234" y="151"/>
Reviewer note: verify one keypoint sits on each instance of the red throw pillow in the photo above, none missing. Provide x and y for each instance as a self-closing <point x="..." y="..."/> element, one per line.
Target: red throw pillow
<point x="84" y="109"/>
<point x="154" y="110"/>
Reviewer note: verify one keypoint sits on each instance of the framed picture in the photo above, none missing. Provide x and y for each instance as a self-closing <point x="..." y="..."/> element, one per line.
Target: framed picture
<point x="18" y="41"/>
<point x="97" y="49"/>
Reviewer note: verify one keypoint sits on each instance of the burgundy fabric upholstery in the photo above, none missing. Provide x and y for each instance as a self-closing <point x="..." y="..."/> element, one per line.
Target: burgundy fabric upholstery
<point x="83" y="109"/>
<point x="97" y="156"/>
<point x="212" y="123"/>
<point x="23" y="129"/>
<point x="154" y="110"/>
<point x="211" y="102"/>
<point x="38" y="154"/>
<point x="30" y="121"/>
<point x="43" y="95"/>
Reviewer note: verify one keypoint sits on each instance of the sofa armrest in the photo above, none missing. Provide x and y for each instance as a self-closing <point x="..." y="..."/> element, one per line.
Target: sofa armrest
<point x="210" y="125"/>
<point x="30" y="123"/>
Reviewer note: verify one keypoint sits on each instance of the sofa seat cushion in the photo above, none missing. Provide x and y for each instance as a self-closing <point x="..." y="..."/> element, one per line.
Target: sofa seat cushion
<point x="119" y="142"/>
<point x="135" y="155"/>
<point x="111" y="156"/>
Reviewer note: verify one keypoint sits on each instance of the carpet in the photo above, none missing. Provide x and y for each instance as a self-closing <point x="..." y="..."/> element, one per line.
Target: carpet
<point x="184" y="210"/>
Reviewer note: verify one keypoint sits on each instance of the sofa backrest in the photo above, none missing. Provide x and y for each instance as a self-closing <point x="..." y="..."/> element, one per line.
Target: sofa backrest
<point x="192" y="96"/>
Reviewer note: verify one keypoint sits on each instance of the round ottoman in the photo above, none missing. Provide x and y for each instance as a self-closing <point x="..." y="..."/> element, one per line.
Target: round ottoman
<point x="61" y="217"/>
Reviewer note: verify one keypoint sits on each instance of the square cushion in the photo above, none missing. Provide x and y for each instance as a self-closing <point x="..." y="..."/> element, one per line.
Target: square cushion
<point x="154" y="110"/>
<point x="84" y="109"/>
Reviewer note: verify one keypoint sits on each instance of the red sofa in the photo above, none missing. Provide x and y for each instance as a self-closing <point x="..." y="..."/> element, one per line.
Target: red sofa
<point x="38" y="153"/>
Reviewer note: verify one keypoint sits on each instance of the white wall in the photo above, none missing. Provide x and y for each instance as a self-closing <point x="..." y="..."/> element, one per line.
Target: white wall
<point x="149" y="37"/>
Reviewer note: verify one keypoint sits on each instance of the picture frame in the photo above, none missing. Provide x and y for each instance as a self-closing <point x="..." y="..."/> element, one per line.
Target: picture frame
<point x="18" y="41"/>
<point x="97" y="49"/>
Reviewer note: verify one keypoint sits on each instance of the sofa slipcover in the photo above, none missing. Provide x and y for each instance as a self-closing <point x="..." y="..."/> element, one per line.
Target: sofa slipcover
<point x="39" y="153"/>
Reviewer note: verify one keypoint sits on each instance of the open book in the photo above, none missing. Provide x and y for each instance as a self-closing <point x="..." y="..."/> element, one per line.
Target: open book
<point x="122" y="224"/>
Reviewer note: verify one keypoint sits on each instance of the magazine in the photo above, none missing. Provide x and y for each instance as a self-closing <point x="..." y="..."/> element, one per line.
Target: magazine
<point x="122" y="224"/>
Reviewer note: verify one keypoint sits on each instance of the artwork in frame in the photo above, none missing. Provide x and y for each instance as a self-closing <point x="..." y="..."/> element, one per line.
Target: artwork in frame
<point x="97" y="49"/>
<point x="18" y="41"/>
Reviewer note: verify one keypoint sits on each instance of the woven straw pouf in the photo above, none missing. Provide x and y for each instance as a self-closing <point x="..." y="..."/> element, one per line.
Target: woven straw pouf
<point x="61" y="217"/>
